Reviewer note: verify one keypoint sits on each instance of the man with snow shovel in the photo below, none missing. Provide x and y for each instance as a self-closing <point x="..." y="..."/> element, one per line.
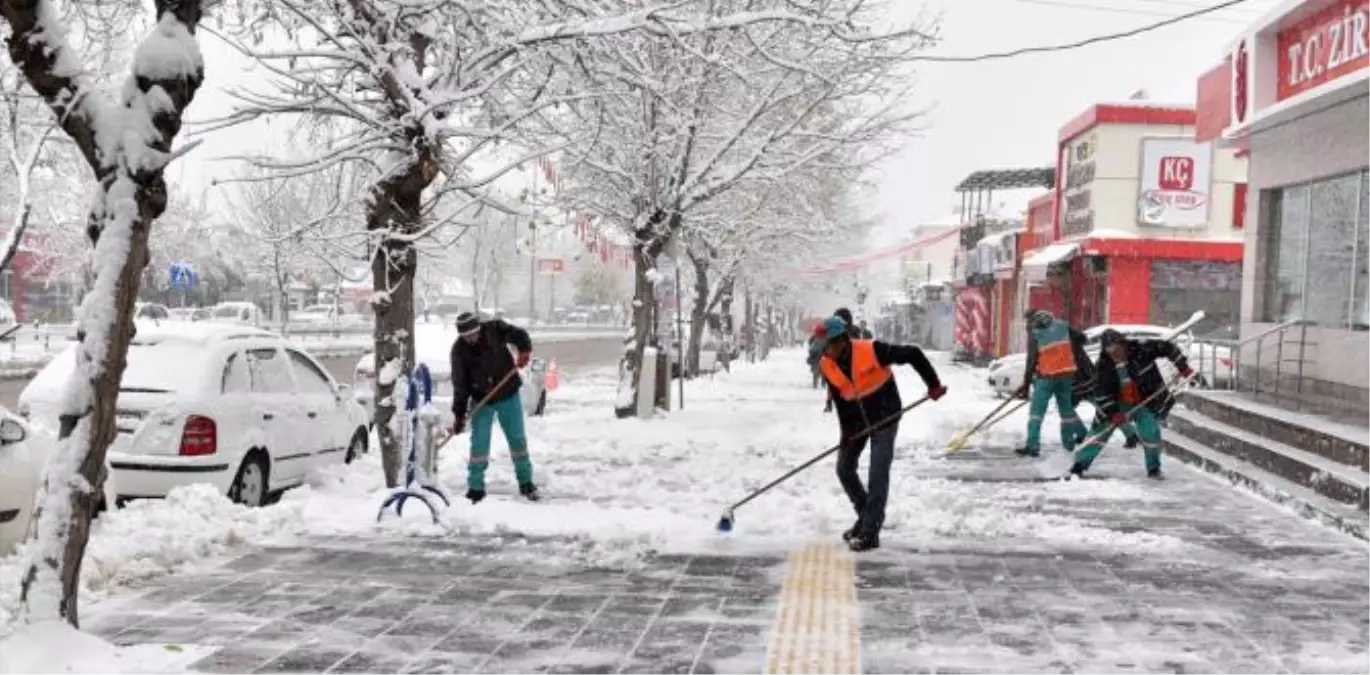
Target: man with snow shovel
<point x="1130" y="388"/>
<point x="861" y="384"/>
<point x="485" y="370"/>
<point x="1055" y="353"/>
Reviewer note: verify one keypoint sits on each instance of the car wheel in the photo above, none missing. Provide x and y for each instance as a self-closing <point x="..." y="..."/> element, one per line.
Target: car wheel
<point x="357" y="447"/>
<point x="541" y="409"/>
<point x="250" y="485"/>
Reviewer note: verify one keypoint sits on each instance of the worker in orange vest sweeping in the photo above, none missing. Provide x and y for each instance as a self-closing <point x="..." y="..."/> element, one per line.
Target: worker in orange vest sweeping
<point x="1055" y="353"/>
<point x="861" y="384"/>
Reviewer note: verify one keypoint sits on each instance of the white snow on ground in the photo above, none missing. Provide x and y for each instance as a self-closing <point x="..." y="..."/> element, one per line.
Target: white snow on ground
<point x="619" y="488"/>
<point x="56" y="647"/>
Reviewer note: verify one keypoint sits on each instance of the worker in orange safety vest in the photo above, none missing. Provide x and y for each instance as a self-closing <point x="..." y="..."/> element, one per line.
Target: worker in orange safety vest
<point x="1055" y="354"/>
<point x="862" y="387"/>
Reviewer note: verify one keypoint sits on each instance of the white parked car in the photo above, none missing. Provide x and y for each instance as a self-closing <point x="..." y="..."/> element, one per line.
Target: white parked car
<point x="236" y="313"/>
<point x="21" y="469"/>
<point x="533" y="391"/>
<point x="1006" y="374"/>
<point x="236" y="407"/>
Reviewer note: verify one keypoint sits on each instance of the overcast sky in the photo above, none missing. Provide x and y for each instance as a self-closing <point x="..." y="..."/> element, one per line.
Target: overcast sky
<point x="1007" y="114"/>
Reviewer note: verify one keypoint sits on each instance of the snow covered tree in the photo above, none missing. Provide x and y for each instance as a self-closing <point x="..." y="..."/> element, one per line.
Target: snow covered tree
<point x="125" y="136"/>
<point x="423" y="89"/>
<point x="691" y="118"/>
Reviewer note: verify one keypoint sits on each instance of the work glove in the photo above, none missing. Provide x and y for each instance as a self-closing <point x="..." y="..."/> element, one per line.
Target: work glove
<point x="459" y="425"/>
<point x="937" y="392"/>
<point x="1023" y="391"/>
<point x="1118" y="419"/>
<point x="524" y="358"/>
<point x="1186" y="372"/>
<point x="827" y="407"/>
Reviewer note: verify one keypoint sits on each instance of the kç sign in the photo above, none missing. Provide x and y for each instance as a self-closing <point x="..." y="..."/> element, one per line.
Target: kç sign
<point x="1327" y="45"/>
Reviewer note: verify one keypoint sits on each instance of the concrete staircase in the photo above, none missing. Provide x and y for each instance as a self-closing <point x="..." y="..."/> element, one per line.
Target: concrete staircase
<point x="1316" y="465"/>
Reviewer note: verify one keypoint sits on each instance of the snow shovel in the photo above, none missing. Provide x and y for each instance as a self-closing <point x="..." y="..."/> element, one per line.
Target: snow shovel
<point x="725" y="522"/>
<point x="958" y="442"/>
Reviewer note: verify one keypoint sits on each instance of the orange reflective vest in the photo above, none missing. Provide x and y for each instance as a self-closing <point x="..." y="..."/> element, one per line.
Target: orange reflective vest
<point x="1128" y="391"/>
<point x="1055" y="356"/>
<point x="868" y="375"/>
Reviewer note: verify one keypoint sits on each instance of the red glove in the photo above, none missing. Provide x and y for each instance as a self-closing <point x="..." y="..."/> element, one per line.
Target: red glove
<point x="1118" y="419"/>
<point x="1186" y="372"/>
<point x="524" y="358"/>
<point x="937" y="392"/>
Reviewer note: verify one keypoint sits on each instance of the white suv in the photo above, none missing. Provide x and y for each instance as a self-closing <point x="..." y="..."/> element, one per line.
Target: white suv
<point x="236" y="407"/>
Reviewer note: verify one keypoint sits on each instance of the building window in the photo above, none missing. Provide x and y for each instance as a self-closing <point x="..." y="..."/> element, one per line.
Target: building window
<point x="1286" y="245"/>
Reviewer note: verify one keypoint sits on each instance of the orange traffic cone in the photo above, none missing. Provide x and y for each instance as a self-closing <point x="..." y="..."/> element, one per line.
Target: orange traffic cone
<point x="551" y="382"/>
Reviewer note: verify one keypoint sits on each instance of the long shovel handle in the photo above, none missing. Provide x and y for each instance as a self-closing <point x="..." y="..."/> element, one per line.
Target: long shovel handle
<point x="481" y="403"/>
<point x="986" y="421"/>
<point x="869" y="430"/>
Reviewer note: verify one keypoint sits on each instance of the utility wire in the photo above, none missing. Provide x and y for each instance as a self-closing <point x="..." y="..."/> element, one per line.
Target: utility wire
<point x="1116" y="9"/>
<point x="1023" y="51"/>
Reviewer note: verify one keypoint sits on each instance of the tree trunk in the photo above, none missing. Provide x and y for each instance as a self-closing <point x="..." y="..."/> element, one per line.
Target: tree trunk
<point x="644" y="312"/>
<point x="395" y="210"/>
<point x="128" y="175"/>
<point x="698" y="314"/>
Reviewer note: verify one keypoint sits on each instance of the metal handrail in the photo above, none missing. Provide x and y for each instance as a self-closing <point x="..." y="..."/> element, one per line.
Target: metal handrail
<point x="1278" y="330"/>
<point x="1210" y="357"/>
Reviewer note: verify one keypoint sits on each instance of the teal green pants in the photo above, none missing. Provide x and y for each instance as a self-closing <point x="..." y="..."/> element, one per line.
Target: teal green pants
<point x="1044" y="389"/>
<point x="509" y="410"/>
<point x="1148" y="430"/>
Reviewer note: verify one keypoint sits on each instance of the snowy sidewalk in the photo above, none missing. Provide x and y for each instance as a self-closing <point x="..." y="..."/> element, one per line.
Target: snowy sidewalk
<point x="985" y="566"/>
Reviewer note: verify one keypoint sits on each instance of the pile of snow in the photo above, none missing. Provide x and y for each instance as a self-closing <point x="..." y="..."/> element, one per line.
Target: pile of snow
<point x="56" y="647"/>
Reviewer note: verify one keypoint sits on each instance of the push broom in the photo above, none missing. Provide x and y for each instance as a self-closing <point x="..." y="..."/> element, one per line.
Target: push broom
<point x="958" y="442"/>
<point x="725" y="522"/>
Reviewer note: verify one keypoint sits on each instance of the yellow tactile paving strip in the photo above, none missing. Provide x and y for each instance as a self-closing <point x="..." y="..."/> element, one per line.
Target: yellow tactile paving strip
<point x="818" y="626"/>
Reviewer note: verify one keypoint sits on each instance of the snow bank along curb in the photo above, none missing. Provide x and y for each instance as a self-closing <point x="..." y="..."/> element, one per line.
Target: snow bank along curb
<point x="346" y="347"/>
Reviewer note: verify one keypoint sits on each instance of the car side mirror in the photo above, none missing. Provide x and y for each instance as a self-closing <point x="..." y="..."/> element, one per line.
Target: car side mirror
<point x="11" y="431"/>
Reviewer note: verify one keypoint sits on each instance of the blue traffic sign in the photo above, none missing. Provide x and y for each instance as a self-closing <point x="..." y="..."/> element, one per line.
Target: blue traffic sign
<point x="182" y="275"/>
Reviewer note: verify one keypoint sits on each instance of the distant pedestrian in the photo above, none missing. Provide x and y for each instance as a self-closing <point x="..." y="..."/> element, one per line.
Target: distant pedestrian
<point x="861" y="382"/>
<point x="484" y="368"/>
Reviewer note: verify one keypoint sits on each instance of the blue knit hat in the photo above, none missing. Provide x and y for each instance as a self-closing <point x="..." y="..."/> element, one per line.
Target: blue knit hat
<point x="833" y="327"/>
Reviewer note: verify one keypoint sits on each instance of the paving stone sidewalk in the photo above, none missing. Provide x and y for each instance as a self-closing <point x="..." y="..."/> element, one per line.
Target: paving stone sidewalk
<point x="1261" y="591"/>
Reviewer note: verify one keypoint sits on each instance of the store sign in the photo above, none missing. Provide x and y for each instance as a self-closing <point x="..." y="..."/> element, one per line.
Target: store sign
<point x="1176" y="179"/>
<point x="1077" y="207"/>
<point x="1331" y="43"/>
<point x="551" y="266"/>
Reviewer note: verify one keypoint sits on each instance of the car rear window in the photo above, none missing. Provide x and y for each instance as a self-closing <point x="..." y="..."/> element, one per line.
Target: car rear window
<point x="164" y="366"/>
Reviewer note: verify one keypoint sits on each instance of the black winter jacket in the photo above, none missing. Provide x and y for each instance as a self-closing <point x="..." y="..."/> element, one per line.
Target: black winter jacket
<point x="856" y="416"/>
<point x="477" y="369"/>
<point x="1141" y="368"/>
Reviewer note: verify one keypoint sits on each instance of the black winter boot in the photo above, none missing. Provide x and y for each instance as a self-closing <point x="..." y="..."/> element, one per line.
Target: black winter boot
<point x="529" y="492"/>
<point x="475" y="495"/>
<point x="1025" y="451"/>
<point x="864" y="542"/>
<point x="1155" y="474"/>
<point x="851" y="532"/>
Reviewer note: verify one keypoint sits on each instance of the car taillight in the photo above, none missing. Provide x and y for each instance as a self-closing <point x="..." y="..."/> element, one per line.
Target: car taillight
<point x="199" y="437"/>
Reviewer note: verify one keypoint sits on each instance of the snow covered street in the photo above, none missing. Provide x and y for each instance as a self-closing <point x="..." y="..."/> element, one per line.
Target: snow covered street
<point x="986" y="566"/>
